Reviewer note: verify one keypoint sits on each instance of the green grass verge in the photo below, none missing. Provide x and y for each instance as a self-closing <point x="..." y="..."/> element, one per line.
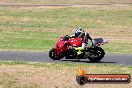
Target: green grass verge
<point x="38" y="28"/>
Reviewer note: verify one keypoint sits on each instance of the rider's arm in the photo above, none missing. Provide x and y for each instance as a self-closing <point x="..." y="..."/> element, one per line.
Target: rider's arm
<point x="73" y="36"/>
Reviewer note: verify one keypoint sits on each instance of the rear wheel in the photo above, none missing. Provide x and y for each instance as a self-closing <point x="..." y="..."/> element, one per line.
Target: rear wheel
<point x="53" y="54"/>
<point x="96" y="54"/>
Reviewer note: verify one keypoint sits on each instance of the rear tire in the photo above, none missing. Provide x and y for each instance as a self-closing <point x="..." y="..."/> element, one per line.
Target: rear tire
<point x="52" y="54"/>
<point x="98" y="53"/>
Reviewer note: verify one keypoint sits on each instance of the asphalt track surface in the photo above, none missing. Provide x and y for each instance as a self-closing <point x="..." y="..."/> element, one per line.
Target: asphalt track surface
<point x="124" y="59"/>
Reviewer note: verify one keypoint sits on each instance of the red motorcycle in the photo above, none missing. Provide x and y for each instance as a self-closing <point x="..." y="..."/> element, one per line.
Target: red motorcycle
<point x="66" y="47"/>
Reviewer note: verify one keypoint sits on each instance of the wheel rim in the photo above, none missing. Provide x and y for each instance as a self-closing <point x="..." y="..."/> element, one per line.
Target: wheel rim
<point x="95" y="54"/>
<point x="53" y="54"/>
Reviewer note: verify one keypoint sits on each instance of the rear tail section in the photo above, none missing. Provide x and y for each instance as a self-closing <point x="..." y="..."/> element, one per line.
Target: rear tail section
<point x="100" y="41"/>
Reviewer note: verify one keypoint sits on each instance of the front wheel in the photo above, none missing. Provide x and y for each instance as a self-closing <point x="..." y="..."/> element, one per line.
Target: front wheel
<point x="53" y="54"/>
<point x="96" y="54"/>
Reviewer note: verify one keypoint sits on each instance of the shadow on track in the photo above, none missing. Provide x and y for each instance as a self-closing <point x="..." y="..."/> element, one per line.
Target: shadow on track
<point x="85" y="61"/>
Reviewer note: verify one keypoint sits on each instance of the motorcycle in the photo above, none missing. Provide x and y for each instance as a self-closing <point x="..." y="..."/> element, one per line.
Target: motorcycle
<point x="67" y="47"/>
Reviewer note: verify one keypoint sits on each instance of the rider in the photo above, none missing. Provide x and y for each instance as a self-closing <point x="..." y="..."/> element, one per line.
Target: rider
<point x="80" y="33"/>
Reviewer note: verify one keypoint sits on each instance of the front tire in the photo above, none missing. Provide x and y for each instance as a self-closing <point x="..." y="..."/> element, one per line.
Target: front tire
<point x="97" y="54"/>
<point x="53" y="54"/>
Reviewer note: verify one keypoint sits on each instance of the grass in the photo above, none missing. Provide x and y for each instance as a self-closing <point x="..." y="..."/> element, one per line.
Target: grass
<point x="41" y="75"/>
<point x="62" y="1"/>
<point x="30" y="28"/>
<point x="26" y="40"/>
